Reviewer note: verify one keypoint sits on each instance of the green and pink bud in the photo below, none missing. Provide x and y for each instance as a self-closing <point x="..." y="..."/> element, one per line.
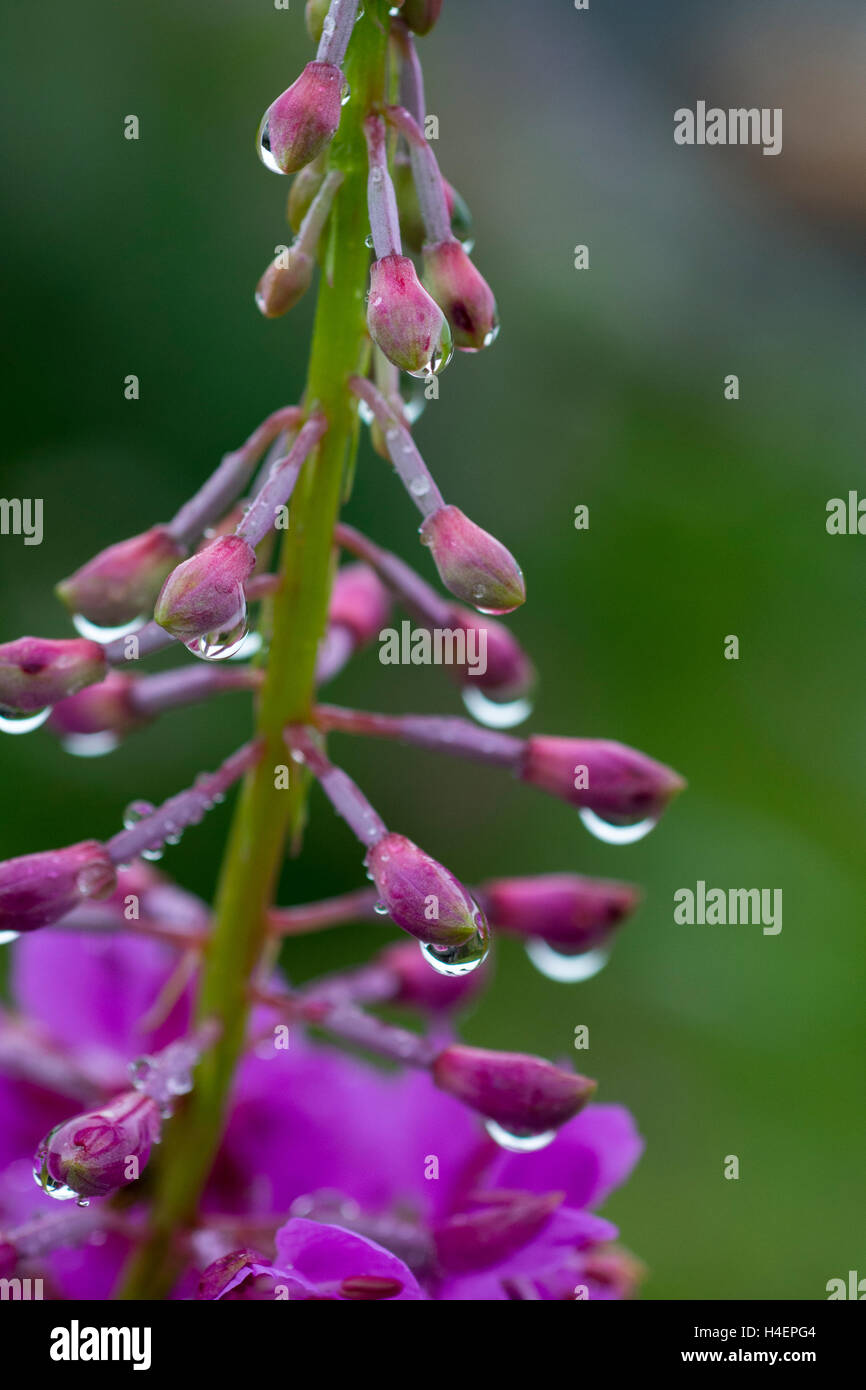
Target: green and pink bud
<point x="290" y="275"/>
<point x="620" y="784"/>
<point x="360" y="603"/>
<point x="38" y="671"/>
<point x="303" y="120"/>
<point x="403" y="319"/>
<point x="103" y="708"/>
<point x="522" y="1094"/>
<point x="463" y="293"/>
<point x="472" y="564"/>
<point x="571" y="913"/>
<point x="38" y="889"/>
<point x="205" y="594"/>
<point x="421" y="895"/>
<point x="121" y="583"/>
<point x="421" y="15"/>
<point x="95" y="1155"/>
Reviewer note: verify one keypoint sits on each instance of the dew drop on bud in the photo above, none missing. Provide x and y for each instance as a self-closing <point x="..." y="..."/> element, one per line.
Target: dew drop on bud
<point x="264" y="148"/>
<point x="495" y="714"/>
<point x="90" y="745"/>
<point x="11" y="722"/>
<point x="516" y="1142"/>
<point x="616" y="834"/>
<point x="564" y="968"/>
<point x="462" y="959"/>
<point x="345" y="93"/>
<point x="53" y="1186"/>
<point x="219" y="646"/>
<point x="94" y="633"/>
<point x="380" y="909"/>
<point x="7" y="936"/>
<point x="136" y="811"/>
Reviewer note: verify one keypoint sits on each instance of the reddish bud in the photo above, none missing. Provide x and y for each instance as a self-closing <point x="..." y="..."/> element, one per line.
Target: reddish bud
<point x="463" y="293"/>
<point x="421" y="895"/>
<point x="300" y="123"/>
<point x="421" y="15"/>
<point x="472" y="564"/>
<point x="284" y="283"/>
<point x="205" y="594"/>
<point x="359" y="602"/>
<point x="618" y="783"/>
<point x="37" y="671"/>
<point x="404" y="321"/>
<point x="571" y="912"/>
<point x="103" y="708"/>
<point x="94" y="1155"/>
<point x="120" y="584"/>
<point x="37" y="889"/>
<point x="510" y="673"/>
<point x="525" y="1095"/>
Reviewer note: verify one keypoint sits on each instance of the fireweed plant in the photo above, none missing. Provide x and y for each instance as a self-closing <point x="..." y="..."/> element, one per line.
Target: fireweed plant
<point x="286" y="1167"/>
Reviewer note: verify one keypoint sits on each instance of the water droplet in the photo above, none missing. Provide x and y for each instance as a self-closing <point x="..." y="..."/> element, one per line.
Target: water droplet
<point x="345" y="93"/>
<point x="264" y="148"/>
<point x="328" y="26"/>
<point x="616" y="834"/>
<point x="249" y="647"/>
<point x="366" y="414"/>
<point x="11" y="722"/>
<point x="219" y="646"/>
<point x="495" y="714"/>
<point x="419" y="487"/>
<point x="463" y="959"/>
<point x="468" y="245"/>
<point x="137" y="811"/>
<point x="565" y="969"/>
<point x="380" y="909"/>
<point x="90" y="745"/>
<point x="442" y="355"/>
<point x="83" y="1202"/>
<point x="7" y="936"/>
<point x="492" y="335"/>
<point x="518" y="1143"/>
<point x="413" y="406"/>
<point x="59" y="1190"/>
<point x="94" y="633"/>
<point x="368" y="242"/>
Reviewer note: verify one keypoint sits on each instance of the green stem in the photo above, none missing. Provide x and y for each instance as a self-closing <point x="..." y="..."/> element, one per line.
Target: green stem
<point x="264" y="815"/>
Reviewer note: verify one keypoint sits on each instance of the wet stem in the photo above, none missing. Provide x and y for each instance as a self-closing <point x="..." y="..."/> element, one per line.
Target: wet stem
<point x="264" y="815"/>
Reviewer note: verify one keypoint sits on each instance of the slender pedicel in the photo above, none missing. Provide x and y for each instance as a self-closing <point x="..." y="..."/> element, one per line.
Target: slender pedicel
<point x="410" y="466"/>
<point x="290" y="275"/>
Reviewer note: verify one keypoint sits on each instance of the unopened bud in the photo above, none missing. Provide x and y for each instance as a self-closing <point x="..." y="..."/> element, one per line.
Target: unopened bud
<point x="620" y="784"/>
<point x="300" y="123"/>
<point x="405" y="322"/>
<point x="284" y="283"/>
<point x="463" y="293"/>
<point x="423" y="988"/>
<point x="37" y="889"/>
<point x="421" y="895"/>
<point x="472" y="564"/>
<point x="359" y="602"/>
<point x="205" y="594"/>
<point x="509" y="673"/>
<point x="568" y="911"/>
<point x="120" y="583"/>
<point x="37" y="671"/>
<point x="103" y="708"/>
<point x="525" y="1095"/>
<point x="94" y="1155"/>
<point x="421" y="15"/>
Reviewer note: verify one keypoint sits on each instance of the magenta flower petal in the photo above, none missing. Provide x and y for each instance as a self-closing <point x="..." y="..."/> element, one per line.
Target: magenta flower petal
<point x="329" y="1254"/>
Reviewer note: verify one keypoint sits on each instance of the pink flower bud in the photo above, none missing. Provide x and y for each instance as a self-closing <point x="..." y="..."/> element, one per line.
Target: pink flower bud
<point x="472" y="564"/>
<point x="423" y="988"/>
<point x="620" y="784"/>
<point x="463" y="293"/>
<point x="478" y="1239"/>
<point x="570" y="912"/>
<point x="37" y="671"/>
<point x="359" y="602"/>
<point x="404" y="321"/>
<point x="284" y="283"/>
<point x="102" y="708"/>
<point x="525" y="1095"/>
<point x="421" y="895"/>
<point x="421" y="15"/>
<point x="300" y="123"/>
<point x="120" y="583"/>
<point x="510" y="673"/>
<point x="205" y="594"/>
<point x="37" y="889"/>
<point x="94" y="1155"/>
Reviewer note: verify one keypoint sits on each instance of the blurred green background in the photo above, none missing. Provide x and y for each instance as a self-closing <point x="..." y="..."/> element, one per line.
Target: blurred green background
<point x="707" y="517"/>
